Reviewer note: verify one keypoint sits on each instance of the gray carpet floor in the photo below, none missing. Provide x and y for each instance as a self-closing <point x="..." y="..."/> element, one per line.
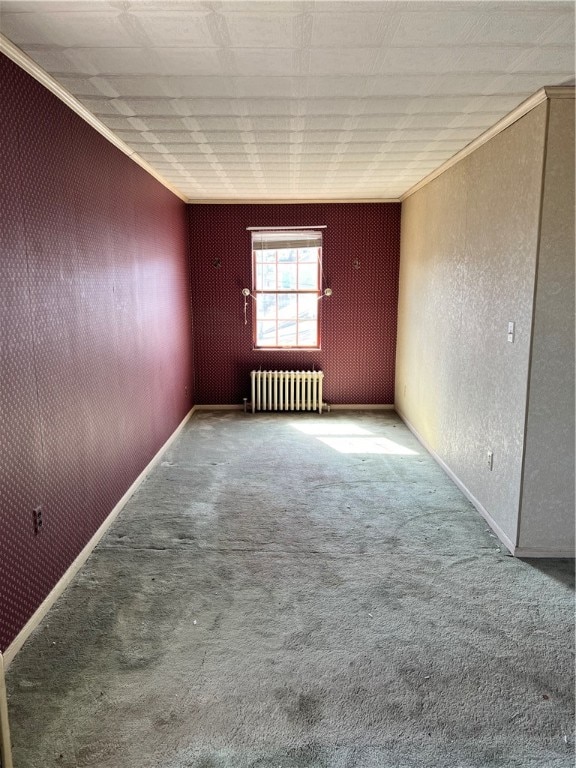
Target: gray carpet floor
<point x="296" y="591"/>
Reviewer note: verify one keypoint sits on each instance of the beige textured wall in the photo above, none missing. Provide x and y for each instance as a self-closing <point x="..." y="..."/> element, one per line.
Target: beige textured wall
<point x="547" y="507"/>
<point x="468" y="260"/>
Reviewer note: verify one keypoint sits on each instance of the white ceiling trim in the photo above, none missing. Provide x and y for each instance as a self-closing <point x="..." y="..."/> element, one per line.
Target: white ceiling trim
<point x="291" y="201"/>
<point x="548" y="92"/>
<point x="18" y="56"/>
<point x="560" y="91"/>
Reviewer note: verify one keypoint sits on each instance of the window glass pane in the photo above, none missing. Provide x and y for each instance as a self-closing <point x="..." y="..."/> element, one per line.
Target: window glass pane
<point x="267" y="277"/>
<point x="308" y="254"/>
<point x="287" y="276"/>
<point x="258" y="277"/>
<point x="287" y="306"/>
<point x="307" y="277"/>
<point x="266" y="306"/>
<point x="307" y="306"/>
<point x="287" y="332"/>
<point x="266" y="333"/>
<point x="307" y="333"/>
<point x="266" y="256"/>
<point x="288" y="254"/>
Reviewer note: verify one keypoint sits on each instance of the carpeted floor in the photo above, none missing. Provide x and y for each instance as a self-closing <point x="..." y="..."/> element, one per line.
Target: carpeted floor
<point x="295" y="591"/>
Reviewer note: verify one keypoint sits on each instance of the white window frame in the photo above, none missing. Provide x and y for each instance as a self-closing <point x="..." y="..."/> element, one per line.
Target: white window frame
<point x="271" y="240"/>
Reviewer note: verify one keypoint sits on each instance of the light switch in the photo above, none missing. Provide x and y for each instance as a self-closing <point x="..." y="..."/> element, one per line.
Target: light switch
<point x="511" y="332"/>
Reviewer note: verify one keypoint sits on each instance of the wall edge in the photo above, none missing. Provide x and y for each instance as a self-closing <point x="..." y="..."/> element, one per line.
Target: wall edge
<point x="533" y="320"/>
<point x="508" y="543"/>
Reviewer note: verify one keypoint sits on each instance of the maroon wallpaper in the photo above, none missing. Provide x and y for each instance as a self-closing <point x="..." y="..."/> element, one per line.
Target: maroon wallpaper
<point x="358" y="323"/>
<point x="95" y="334"/>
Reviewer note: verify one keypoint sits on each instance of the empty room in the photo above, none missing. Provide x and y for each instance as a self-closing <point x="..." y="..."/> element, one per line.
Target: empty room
<point x="287" y="384"/>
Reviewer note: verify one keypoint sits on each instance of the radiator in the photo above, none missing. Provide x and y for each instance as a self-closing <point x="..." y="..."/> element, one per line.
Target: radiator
<point x="287" y="391"/>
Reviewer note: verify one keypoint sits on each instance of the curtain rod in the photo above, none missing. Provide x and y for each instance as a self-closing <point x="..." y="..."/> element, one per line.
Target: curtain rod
<point x="277" y="229"/>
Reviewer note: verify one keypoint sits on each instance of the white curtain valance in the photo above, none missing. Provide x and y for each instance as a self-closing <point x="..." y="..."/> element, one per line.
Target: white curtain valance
<point x="271" y="240"/>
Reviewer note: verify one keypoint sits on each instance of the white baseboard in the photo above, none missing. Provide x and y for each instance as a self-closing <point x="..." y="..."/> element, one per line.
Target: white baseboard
<point x="361" y="407"/>
<point x="510" y="546"/>
<point x="328" y="407"/>
<point x="5" y="743"/>
<point x="220" y="407"/>
<point x="539" y="553"/>
<point x="65" y="580"/>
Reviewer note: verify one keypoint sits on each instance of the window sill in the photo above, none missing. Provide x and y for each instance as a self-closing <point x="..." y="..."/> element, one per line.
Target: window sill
<point x="286" y="349"/>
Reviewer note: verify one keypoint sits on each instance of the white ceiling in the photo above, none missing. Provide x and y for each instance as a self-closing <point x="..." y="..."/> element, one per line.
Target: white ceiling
<point x="297" y="100"/>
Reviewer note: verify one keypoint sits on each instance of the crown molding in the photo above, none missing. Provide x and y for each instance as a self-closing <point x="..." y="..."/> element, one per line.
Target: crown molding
<point x="20" y="58"/>
<point x="290" y="201"/>
<point x="560" y="91"/>
<point x="548" y="92"/>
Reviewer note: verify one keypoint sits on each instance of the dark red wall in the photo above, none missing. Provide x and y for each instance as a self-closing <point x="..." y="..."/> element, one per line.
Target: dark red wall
<point x="95" y="334"/>
<point x="358" y="323"/>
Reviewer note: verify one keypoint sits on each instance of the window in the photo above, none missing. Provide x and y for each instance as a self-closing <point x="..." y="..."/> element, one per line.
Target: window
<point x="286" y="274"/>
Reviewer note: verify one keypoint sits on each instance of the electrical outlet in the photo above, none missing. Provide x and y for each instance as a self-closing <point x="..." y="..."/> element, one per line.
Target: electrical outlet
<point x="490" y="460"/>
<point x="37" y="520"/>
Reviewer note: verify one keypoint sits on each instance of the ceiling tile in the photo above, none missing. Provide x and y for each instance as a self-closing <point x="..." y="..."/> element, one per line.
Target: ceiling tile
<point x="342" y="30"/>
<point x="407" y="85"/>
<point x="67" y="29"/>
<point x="335" y="87"/>
<point x="84" y="86"/>
<point x="487" y="58"/>
<point x="264" y="87"/>
<point x="507" y="26"/>
<point x="216" y="123"/>
<point x="180" y="28"/>
<point x="529" y="83"/>
<point x="142" y="106"/>
<point x="342" y="61"/>
<point x="421" y="60"/>
<point x="466" y="84"/>
<point x="562" y="31"/>
<point x="261" y="30"/>
<point x="51" y="59"/>
<point x="253" y="62"/>
<point x="442" y="27"/>
<point x="546" y="60"/>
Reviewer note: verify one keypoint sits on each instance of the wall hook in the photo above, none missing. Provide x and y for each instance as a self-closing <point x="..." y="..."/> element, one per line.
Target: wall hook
<point x="246" y="292"/>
